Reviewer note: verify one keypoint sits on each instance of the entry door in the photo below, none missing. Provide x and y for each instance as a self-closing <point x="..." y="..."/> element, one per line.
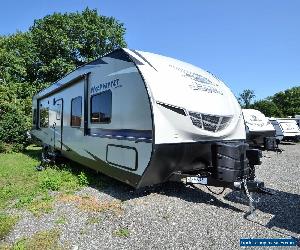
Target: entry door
<point x="59" y="108"/>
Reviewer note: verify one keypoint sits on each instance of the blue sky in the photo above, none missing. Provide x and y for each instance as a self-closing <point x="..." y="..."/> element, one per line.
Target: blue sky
<point x="248" y="44"/>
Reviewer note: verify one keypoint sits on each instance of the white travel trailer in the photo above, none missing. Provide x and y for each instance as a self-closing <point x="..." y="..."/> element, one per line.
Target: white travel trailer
<point x="145" y="119"/>
<point x="286" y="128"/>
<point x="260" y="131"/>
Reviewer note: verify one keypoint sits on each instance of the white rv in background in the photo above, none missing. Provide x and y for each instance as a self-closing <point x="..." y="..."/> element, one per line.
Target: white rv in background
<point x="260" y="132"/>
<point x="145" y="119"/>
<point x="286" y="128"/>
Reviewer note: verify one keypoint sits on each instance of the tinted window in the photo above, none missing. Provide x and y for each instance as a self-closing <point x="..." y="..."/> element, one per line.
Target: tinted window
<point x="76" y="111"/>
<point x="44" y="118"/>
<point x="101" y="107"/>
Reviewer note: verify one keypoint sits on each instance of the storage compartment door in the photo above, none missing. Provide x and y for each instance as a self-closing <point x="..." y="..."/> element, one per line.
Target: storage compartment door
<point x="122" y="156"/>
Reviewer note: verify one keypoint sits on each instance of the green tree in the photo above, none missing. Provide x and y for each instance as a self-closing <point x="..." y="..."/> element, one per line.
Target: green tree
<point x="246" y="97"/>
<point x="66" y="41"/>
<point x="267" y="107"/>
<point x="53" y="46"/>
<point x="15" y="117"/>
<point x="14" y="51"/>
<point x="288" y="101"/>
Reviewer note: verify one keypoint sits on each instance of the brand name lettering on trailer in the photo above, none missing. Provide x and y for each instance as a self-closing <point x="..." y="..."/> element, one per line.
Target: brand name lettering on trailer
<point x="105" y="86"/>
<point x="199" y="82"/>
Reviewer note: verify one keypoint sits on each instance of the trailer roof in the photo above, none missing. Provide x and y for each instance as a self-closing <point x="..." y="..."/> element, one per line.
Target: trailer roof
<point x="76" y="74"/>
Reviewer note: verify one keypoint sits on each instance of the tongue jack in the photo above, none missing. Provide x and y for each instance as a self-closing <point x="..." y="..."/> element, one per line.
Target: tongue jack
<point x="251" y="199"/>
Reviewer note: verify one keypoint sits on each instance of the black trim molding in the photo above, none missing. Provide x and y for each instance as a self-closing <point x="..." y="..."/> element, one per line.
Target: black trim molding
<point x="173" y="108"/>
<point x="85" y="104"/>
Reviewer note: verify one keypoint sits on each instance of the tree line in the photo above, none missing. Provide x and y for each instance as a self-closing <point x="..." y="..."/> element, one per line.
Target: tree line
<point x="32" y="60"/>
<point x="282" y="104"/>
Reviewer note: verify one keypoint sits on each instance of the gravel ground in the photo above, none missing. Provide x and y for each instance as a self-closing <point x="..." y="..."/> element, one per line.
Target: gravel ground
<point x="172" y="216"/>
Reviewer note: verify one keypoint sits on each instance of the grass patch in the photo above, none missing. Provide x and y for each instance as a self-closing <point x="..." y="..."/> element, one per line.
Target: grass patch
<point x="61" y="221"/>
<point x="92" y="204"/>
<point x="22" y="186"/>
<point x="41" y="240"/>
<point x="93" y="220"/>
<point x="41" y="205"/>
<point x="6" y="224"/>
<point x="122" y="232"/>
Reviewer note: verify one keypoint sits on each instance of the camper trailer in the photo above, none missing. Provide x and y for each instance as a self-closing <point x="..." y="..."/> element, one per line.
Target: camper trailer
<point x="259" y="130"/>
<point x="286" y="128"/>
<point x="145" y="119"/>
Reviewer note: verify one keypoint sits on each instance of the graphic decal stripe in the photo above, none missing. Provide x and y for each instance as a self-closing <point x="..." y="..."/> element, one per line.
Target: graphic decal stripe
<point x="143" y="58"/>
<point x="120" y="55"/>
<point x="123" y="134"/>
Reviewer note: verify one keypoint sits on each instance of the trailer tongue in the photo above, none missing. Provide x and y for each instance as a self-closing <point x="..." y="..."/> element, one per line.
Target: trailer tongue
<point x="232" y="166"/>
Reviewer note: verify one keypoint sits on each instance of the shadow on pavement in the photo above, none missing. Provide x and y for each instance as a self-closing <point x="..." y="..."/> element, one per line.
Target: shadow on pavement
<point x="123" y="192"/>
<point x="284" y="208"/>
